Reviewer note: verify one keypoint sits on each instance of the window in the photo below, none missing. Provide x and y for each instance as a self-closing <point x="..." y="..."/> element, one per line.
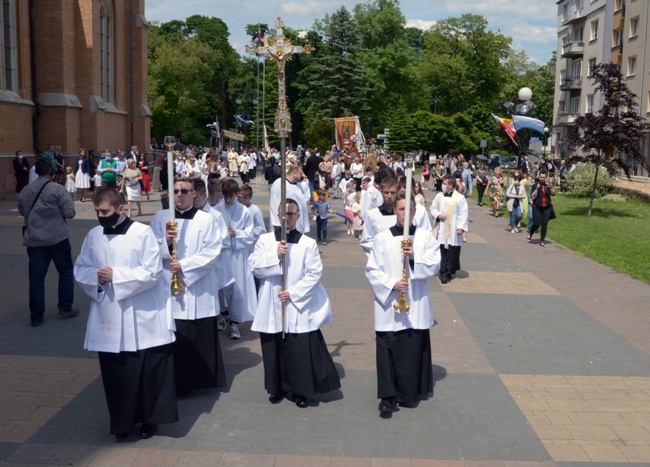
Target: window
<point x="618" y="38"/>
<point x="576" y="71"/>
<point x="565" y="12"/>
<point x="574" y="105"/>
<point x="106" y="50"/>
<point x="634" y="27"/>
<point x="577" y="35"/>
<point x="631" y="66"/>
<point x="618" y="4"/>
<point x="590" y="65"/>
<point x="590" y="104"/>
<point x="9" y="56"/>
<point x="594" y="30"/>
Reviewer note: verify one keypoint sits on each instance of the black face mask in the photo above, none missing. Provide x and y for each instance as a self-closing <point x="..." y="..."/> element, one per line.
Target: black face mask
<point x="109" y="221"/>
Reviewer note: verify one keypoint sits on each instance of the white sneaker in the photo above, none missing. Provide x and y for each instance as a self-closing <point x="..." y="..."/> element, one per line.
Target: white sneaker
<point x="222" y="322"/>
<point x="234" y="331"/>
<point x="513" y="231"/>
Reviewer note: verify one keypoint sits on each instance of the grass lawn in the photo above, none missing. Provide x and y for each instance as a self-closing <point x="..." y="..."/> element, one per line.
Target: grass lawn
<point x="616" y="234"/>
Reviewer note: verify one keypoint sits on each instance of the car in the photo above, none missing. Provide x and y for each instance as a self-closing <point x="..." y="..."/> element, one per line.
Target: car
<point x="508" y="162"/>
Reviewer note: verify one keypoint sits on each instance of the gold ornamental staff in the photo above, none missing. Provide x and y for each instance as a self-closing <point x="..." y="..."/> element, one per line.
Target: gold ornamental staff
<point x="170" y="141"/>
<point x="281" y="50"/>
<point x="402" y="302"/>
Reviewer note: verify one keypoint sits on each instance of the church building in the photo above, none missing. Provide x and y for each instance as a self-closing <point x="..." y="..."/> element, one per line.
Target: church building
<point x="73" y="73"/>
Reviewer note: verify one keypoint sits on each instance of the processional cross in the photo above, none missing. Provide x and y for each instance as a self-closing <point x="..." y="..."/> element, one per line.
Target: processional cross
<point x="281" y="50"/>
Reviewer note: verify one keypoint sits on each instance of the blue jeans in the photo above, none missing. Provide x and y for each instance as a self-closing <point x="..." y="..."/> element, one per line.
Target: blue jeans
<point x="515" y="217"/>
<point x="39" y="262"/>
<point x="321" y="228"/>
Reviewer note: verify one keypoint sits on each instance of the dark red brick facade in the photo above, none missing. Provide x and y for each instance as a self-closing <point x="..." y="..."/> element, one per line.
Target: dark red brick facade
<point x="67" y="108"/>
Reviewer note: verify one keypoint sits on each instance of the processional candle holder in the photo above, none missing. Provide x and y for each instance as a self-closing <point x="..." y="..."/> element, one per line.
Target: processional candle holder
<point x="177" y="285"/>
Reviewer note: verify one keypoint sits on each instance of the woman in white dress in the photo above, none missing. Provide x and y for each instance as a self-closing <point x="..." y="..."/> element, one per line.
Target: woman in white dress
<point x="82" y="175"/>
<point x="131" y="181"/>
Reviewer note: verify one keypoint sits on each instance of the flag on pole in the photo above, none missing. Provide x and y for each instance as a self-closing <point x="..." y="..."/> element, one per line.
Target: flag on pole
<point x="259" y="37"/>
<point x="506" y="124"/>
<point x="267" y="147"/>
<point x="528" y="122"/>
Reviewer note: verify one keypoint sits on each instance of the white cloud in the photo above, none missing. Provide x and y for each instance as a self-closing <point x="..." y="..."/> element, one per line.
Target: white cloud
<point x="422" y="24"/>
<point x="534" y="34"/>
<point x="510" y="11"/>
<point x="308" y="8"/>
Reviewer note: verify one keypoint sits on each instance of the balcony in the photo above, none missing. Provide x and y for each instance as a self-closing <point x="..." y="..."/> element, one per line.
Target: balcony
<point x="567" y="118"/>
<point x="573" y="49"/>
<point x="574" y="17"/>
<point x="574" y="84"/>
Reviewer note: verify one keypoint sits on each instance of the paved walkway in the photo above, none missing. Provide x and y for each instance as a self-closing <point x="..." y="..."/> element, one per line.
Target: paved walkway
<point x="541" y="358"/>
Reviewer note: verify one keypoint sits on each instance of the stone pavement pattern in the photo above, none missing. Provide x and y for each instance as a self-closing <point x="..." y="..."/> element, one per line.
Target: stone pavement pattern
<point x="541" y="358"/>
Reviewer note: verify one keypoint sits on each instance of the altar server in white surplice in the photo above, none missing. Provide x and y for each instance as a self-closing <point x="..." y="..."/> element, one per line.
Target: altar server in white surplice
<point x="198" y="361"/>
<point x="402" y="340"/>
<point x="300" y="364"/>
<point x="239" y="298"/>
<point x="225" y="276"/>
<point x="450" y="214"/>
<point x="383" y="217"/>
<point x="296" y="192"/>
<point x="130" y="323"/>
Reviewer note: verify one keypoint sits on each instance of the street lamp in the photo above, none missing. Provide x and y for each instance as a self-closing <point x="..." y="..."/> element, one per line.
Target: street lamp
<point x="546" y="132"/>
<point x="522" y="106"/>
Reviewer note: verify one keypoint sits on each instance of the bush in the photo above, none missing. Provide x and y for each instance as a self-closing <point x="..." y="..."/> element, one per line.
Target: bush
<point x="580" y="181"/>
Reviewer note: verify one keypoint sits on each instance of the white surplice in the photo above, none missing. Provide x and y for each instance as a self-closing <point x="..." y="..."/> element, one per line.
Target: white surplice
<point x="309" y="308"/>
<point x="384" y="269"/>
<point x="295" y="192"/>
<point x="459" y="218"/>
<point x="241" y="296"/>
<point x="258" y="224"/>
<point x="225" y="277"/>
<point x="198" y="244"/>
<point x="132" y="312"/>
<point x="375" y="222"/>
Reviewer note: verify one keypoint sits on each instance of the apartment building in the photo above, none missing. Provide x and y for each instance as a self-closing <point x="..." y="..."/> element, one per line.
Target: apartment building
<point x="591" y="32"/>
<point x="74" y="74"/>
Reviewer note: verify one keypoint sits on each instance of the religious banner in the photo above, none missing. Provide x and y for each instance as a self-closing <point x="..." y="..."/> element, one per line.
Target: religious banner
<point x="234" y="136"/>
<point x="349" y="136"/>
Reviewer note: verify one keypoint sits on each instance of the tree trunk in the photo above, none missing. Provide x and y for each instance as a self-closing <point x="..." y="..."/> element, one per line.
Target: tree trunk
<point x="593" y="192"/>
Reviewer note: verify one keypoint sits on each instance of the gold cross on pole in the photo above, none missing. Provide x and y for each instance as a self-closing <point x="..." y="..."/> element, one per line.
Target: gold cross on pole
<point x="281" y="50"/>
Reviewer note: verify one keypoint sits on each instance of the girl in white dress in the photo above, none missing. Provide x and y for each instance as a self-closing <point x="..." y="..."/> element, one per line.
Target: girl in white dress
<point x="69" y="182"/>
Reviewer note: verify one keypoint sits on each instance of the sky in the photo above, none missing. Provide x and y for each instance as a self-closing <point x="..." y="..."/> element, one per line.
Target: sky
<point x="530" y="23"/>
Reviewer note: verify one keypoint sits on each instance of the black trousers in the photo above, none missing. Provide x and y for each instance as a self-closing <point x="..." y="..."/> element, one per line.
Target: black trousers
<point x="404" y="365"/>
<point x="139" y="387"/>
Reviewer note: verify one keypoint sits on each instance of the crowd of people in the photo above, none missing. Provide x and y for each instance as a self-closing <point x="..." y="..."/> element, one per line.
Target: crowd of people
<point x="161" y="294"/>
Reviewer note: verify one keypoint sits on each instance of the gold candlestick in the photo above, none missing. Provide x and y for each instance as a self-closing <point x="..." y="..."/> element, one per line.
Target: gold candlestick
<point x="402" y="302"/>
<point x="176" y="285"/>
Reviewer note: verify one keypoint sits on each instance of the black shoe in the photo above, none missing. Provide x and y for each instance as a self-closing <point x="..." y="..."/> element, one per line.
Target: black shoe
<point x="147" y="431"/>
<point x="445" y="279"/>
<point x="301" y="401"/>
<point x="121" y="436"/>
<point x="387" y="404"/>
<point x="37" y="320"/>
<point x="277" y="398"/>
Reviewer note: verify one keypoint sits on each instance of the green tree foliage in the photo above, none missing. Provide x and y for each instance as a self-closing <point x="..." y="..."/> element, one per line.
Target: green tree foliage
<point x="463" y="62"/>
<point x="333" y="82"/>
<point x="190" y="65"/>
<point x="616" y="127"/>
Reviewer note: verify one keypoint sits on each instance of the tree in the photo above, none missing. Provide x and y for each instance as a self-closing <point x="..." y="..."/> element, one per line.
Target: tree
<point x="464" y="62"/>
<point x="333" y="82"/>
<point x="191" y="64"/>
<point x="616" y="127"/>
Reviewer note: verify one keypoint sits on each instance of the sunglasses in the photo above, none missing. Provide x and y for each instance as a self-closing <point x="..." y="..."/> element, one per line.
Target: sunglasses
<point x="182" y="190"/>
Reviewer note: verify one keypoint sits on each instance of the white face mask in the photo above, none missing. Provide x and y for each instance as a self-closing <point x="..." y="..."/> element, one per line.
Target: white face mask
<point x="20" y="156"/>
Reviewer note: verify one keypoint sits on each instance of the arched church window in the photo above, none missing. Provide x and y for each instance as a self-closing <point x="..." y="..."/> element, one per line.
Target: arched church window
<point x="107" y="50"/>
<point x="8" y="44"/>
